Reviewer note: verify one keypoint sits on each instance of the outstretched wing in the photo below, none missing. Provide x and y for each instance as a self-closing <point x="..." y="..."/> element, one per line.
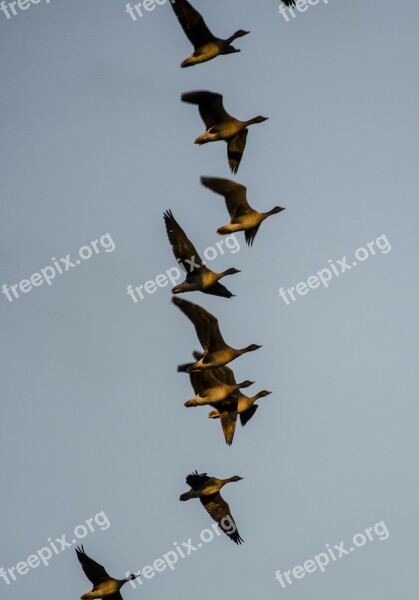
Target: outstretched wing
<point x="182" y="247"/>
<point x="250" y="234"/>
<point x="228" y="420"/>
<point x="196" y="480"/>
<point x="93" y="570"/>
<point x="234" y="194"/>
<point x="192" y="23"/>
<point x="248" y="414"/>
<point x="210" y="106"/>
<point x="218" y="289"/>
<point x="235" y="149"/>
<point x="206" y="325"/>
<point x="219" y="510"/>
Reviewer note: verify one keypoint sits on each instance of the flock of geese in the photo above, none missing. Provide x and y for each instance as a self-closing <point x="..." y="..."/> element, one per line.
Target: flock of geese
<point x="213" y="382"/>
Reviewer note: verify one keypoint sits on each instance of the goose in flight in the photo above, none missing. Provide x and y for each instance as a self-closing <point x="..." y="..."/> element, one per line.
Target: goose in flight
<point x="225" y="409"/>
<point x="216" y="352"/>
<point x="242" y="216"/>
<point x="220" y="125"/>
<point x="104" y="586"/>
<point x="246" y="406"/>
<point x="207" y="489"/>
<point x="198" y="276"/>
<point x="205" y="44"/>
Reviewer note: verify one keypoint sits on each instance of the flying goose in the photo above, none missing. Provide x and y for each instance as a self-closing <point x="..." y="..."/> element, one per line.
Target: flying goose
<point x="216" y="352"/>
<point x="104" y="586"/>
<point x="220" y="125"/>
<point x="206" y="45"/>
<point x="246" y="406"/>
<point x="198" y="276"/>
<point x="207" y="489"/>
<point x="242" y="216"/>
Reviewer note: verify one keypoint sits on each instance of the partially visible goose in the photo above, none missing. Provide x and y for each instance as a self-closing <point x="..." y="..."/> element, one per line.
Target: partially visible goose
<point x="198" y="276"/>
<point x="104" y="586"/>
<point x="242" y="216"/>
<point x="207" y="489"/>
<point x="216" y="352"/>
<point x="226" y="409"/>
<point x="220" y="125"/>
<point x="246" y="406"/>
<point x="206" y="45"/>
<point x="289" y="2"/>
<point x="211" y="390"/>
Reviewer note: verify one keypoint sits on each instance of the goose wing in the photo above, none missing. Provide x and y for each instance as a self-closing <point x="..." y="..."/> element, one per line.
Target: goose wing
<point x="182" y="247"/>
<point x="225" y="375"/>
<point x="235" y="149"/>
<point x="228" y="416"/>
<point x="248" y="414"/>
<point x="197" y="480"/>
<point x="206" y="325"/>
<point x="95" y="572"/>
<point x="218" y="509"/>
<point x="203" y="380"/>
<point x="250" y="234"/>
<point x="210" y="107"/>
<point x="218" y="289"/>
<point x="192" y="23"/>
<point x="116" y="596"/>
<point x="234" y="194"/>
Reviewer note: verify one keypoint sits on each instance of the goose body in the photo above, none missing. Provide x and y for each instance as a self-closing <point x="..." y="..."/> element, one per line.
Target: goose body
<point x="220" y="125"/>
<point x="207" y="489"/>
<point x="198" y="276"/>
<point x="104" y="586"/>
<point x="242" y="216"/>
<point x="246" y="406"/>
<point x="216" y="394"/>
<point x="206" y="45"/>
<point x="216" y="352"/>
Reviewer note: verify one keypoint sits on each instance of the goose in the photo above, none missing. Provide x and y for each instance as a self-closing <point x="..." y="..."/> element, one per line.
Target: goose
<point x="206" y="45"/>
<point x="216" y="352"/>
<point x="207" y="489"/>
<point x="104" y="586"/>
<point x="226" y="408"/>
<point x="242" y="216"/>
<point x="198" y="276"/>
<point x="246" y="407"/>
<point x="220" y="125"/>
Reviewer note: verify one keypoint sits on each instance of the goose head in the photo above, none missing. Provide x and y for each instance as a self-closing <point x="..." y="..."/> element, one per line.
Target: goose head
<point x="246" y="383"/>
<point x="252" y="347"/>
<point x="231" y="271"/>
<point x="240" y="33"/>
<point x="262" y="394"/>
<point x="235" y="478"/>
<point x="276" y="209"/>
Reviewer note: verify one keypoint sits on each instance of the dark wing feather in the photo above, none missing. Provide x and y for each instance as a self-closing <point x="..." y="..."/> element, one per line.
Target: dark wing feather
<point x="210" y="106"/>
<point x="218" y="289"/>
<point x="235" y="149"/>
<point x="192" y="23"/>
<point x="182" y="247"/>
<point x="234" y="194"/>
<point x="225" y="375"/>
<point x="248" y="414"/>
<point x="196" y="480"/>
<point x="116" y="596"/>
<point x="228" y="418"/>
<point x="206" y="325"/>
<point x="250" y="234"/>
<point x="93" y="570"/>
<point x="218" y="508"/>
<point x="289" y="2"/>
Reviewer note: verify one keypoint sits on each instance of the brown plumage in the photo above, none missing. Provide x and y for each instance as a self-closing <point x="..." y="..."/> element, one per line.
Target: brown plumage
<point x="220" y="125"/>
<point x="207" y="489"/>
<point x="205" y="44"/>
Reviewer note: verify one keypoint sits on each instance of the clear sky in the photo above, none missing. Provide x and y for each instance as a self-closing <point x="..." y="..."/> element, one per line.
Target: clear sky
<point x="96" y="141"/>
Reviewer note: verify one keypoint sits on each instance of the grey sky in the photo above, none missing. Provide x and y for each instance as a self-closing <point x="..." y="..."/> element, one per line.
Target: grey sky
<point x="96" y="140"/>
